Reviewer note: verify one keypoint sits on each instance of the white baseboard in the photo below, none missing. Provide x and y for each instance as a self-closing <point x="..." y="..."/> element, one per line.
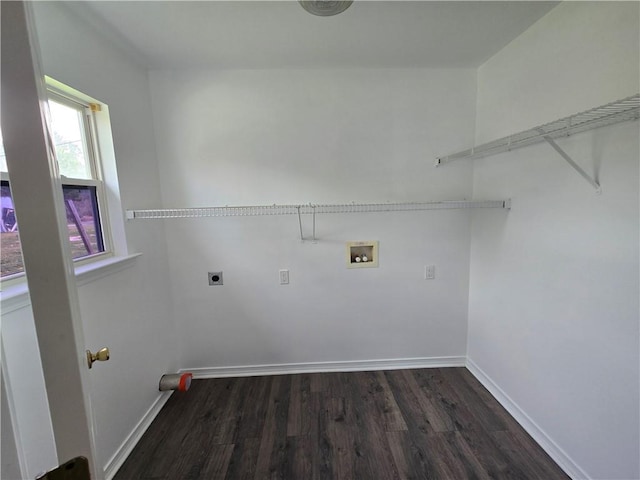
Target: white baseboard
<point x="312" y="367"/>
<point x="565" y="462"/>
<point x="116" y="461"/>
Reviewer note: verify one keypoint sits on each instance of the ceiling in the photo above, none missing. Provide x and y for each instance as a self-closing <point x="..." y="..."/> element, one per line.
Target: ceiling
<point x="274" y="34"/>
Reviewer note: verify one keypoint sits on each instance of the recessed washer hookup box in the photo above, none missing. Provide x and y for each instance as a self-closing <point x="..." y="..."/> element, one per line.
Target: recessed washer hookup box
<point x="362" y="254"/>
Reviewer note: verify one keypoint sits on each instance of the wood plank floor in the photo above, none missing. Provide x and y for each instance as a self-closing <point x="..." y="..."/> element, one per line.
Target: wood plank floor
<point x="401" y="424"/>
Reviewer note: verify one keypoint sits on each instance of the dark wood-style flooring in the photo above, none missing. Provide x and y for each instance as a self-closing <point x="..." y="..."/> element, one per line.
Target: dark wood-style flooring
<point x="401" y="424"/>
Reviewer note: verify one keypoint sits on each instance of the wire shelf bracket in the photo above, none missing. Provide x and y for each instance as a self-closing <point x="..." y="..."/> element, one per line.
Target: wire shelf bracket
<point x="313" y="212"/>
<point x="615" y="112"/>
<point x="593" y="182"/>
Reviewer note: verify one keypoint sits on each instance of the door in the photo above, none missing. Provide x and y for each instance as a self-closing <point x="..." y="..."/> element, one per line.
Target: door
<point x="37" y="196"/>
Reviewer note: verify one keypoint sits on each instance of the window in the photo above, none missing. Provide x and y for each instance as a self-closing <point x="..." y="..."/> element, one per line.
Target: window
<point x="74" y="131"/>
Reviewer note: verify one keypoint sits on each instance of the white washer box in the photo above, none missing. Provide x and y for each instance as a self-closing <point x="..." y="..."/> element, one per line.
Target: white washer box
<point x="362" y="254"/>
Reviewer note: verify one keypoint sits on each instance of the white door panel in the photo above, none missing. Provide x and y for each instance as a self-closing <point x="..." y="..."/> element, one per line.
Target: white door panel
<point x="37" y="196"/>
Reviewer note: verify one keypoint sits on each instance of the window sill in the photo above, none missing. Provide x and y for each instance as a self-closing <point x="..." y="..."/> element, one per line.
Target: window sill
<point x="16" y="296"/>
<point x="93" y="271"/>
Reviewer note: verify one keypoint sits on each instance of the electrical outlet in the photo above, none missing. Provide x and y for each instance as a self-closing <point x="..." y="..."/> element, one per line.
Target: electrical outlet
<point x="284" y="277"/>
<point x="429" y="272"/>
<point x="215" y="278"/>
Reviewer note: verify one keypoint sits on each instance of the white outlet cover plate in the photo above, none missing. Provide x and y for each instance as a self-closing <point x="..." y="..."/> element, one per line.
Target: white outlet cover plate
<point x="284" y="277"/>
<point x="429" y="272"/>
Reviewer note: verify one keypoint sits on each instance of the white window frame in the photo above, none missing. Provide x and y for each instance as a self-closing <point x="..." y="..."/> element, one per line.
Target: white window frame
<point x="99" y="142"/>
<point x="91" y="141"/>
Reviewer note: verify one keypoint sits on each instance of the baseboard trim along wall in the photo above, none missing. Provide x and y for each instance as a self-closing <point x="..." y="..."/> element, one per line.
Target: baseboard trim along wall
<point x="313" y="367"/>
<point x="118" y="458"/>
<point x="565" y="462"/>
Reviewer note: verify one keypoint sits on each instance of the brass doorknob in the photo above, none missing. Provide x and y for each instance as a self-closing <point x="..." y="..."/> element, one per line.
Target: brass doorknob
<point x="101" y="355"/>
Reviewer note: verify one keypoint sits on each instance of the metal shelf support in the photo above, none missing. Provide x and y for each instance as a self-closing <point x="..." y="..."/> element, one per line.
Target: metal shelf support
<point x="575" y="166"/>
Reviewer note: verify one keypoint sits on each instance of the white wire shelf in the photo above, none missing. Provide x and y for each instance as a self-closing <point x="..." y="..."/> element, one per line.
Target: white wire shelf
<point x="609" y="114"/>
<point x="258" y="210"/>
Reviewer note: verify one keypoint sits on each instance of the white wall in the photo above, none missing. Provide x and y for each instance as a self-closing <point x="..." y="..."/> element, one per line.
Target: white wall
<point x="26" y="394"/>
<point x="10" y="467"/>
<point x="553" y="309"/>
<point x="579" y="56"/>
<point x="130" y="310"/>
<point x="323" y="136"/>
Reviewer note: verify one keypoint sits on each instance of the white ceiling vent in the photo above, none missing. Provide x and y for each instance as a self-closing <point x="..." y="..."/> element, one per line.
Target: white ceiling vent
<point x="325" y="8"/>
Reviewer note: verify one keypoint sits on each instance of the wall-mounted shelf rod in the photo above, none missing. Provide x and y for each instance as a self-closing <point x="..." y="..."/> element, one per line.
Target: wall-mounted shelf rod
<point x="609" y="114"/>
<point x="310" y="209"/>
